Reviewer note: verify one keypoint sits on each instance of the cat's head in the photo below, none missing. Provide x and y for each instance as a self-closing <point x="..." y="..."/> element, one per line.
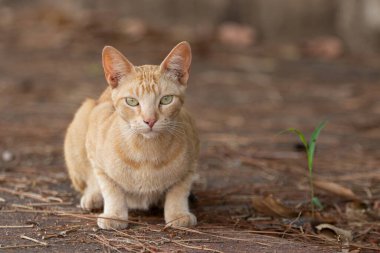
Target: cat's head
<point x="148" y="98"/>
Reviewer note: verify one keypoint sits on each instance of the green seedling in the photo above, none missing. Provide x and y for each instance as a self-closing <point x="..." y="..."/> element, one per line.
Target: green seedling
<point x="310" y="150"/>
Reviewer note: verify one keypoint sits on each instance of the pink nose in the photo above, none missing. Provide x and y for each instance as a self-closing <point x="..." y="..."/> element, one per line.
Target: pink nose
<point x="150" y="122"/>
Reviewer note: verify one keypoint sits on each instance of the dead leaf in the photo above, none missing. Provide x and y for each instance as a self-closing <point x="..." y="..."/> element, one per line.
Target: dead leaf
<point x="355" y="212"/>
<point x="319" y="217"/>
<point x="340" y="234"/>
<point x="336" y="189"/>
<point x="270" y="206"/>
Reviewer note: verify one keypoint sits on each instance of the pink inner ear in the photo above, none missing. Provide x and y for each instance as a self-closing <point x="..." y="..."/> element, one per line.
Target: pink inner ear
<point x="177" y="63"/>
<point x="115" y="78"/>
<point x="178" y="73"/>
<point x="115" y="66"/>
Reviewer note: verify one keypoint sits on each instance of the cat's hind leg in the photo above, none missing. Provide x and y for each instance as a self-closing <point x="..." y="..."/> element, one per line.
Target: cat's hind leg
<point x="77" y="163"/>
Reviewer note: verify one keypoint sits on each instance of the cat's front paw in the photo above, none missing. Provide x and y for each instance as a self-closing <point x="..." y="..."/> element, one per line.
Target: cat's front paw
<point x="112" y="222"/>
<point x="181" y="220"/>
<point x="91" y="201"/>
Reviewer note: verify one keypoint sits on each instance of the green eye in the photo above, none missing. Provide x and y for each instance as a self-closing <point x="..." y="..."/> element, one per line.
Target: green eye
<point x="165" y="100"/>
<point x="132" y="101"/>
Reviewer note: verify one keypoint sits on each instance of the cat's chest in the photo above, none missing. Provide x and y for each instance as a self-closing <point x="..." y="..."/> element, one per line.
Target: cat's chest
<point x="146" y="173"/>
<point x="147" y="180"/>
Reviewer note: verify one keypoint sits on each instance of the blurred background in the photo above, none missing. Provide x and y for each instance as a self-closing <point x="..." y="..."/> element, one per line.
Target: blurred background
<point x="259" y="66"/>
<point x="340" y="25"/>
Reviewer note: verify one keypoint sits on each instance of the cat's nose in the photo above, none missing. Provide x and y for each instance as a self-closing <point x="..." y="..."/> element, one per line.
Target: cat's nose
<point x="150" y="122"/>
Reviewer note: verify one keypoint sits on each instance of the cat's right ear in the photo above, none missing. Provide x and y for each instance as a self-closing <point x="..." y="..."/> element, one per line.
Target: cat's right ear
<point x="115" y="66"/>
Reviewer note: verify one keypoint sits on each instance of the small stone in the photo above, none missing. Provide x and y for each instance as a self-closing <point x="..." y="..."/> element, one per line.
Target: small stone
<point x="7" y="156"/>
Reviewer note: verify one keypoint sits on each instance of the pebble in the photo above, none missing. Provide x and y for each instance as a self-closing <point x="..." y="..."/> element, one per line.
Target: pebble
<point x="7" y="156"/>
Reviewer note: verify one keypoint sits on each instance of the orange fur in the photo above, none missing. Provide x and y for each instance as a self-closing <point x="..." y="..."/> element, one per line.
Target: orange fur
<point x="117" y="160"/>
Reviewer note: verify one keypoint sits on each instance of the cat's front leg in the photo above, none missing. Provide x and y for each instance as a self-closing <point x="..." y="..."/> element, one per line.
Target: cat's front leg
<point x="115" y="213"/>
<point x="176" y="208"/>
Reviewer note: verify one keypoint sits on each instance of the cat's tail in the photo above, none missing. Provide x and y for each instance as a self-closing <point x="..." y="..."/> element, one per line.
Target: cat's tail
<point x="77" y="163"/>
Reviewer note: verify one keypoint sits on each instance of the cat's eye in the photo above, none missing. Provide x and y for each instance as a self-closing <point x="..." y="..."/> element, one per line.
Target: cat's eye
<point x="165" y="100"/>
<point x="132" y="101"/>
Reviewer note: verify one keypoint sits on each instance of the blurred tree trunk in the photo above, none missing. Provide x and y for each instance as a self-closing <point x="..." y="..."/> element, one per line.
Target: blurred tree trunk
<point x="290" y="19"/>
<point x="358" y="23"/>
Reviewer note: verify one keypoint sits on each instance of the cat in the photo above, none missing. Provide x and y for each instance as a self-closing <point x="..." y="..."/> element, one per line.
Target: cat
<point x="136" y="145"/>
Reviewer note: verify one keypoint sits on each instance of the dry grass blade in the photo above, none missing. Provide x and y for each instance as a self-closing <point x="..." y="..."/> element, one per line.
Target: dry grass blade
<point x="51" y="204"/>
<point x="22" y="206"/>
<point x="142" y="245"/>
<point x="195" y="247"/>
<point x="17" y="226"/>
<point x="336" y="189"/>
<point x="219" y="236"/>
<point x="30" y="195"/>
<point x="33" y="240"/>
<point x="104" y="242"/>
<point x="20" y="246"/>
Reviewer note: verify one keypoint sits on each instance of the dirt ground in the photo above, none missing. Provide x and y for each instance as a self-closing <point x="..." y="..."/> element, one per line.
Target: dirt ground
<point x="241" y="100"/>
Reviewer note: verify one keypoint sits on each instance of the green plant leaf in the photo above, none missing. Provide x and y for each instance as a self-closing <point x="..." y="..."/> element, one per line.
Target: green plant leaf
<point x="312" y="144"/>
<point x="300" y="135"/>
<point x="317" y="203"/>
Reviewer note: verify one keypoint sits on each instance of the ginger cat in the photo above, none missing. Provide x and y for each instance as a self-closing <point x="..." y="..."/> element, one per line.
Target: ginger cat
<point x="136" y="144"/>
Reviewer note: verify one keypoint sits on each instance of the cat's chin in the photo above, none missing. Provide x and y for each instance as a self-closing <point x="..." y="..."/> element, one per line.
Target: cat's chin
<point x="150" y="135"/>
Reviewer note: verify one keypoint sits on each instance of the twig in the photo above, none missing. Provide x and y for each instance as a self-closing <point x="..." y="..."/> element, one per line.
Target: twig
<point x="33" y="240"/>
<point x="146" y="247"/>
<point x="20" y="246"/>
<point x="104" y="242"/>
<point x="22" y="206"/>
<point x="52" y="198"/>
<point x="219" y="236"/>
<point x="51" y="204"/>
<point x="196" y="240"/>
<point x="290" y="224"/>
<point x="365" y="246"/>
<point x="16" y="226"/>
<point x="30" y="195"/>
<point x="195" y="247"/>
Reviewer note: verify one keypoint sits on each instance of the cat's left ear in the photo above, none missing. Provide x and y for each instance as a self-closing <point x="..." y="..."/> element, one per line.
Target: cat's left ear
<point x="115" y="65"/>
<point x="177" y="64"/>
